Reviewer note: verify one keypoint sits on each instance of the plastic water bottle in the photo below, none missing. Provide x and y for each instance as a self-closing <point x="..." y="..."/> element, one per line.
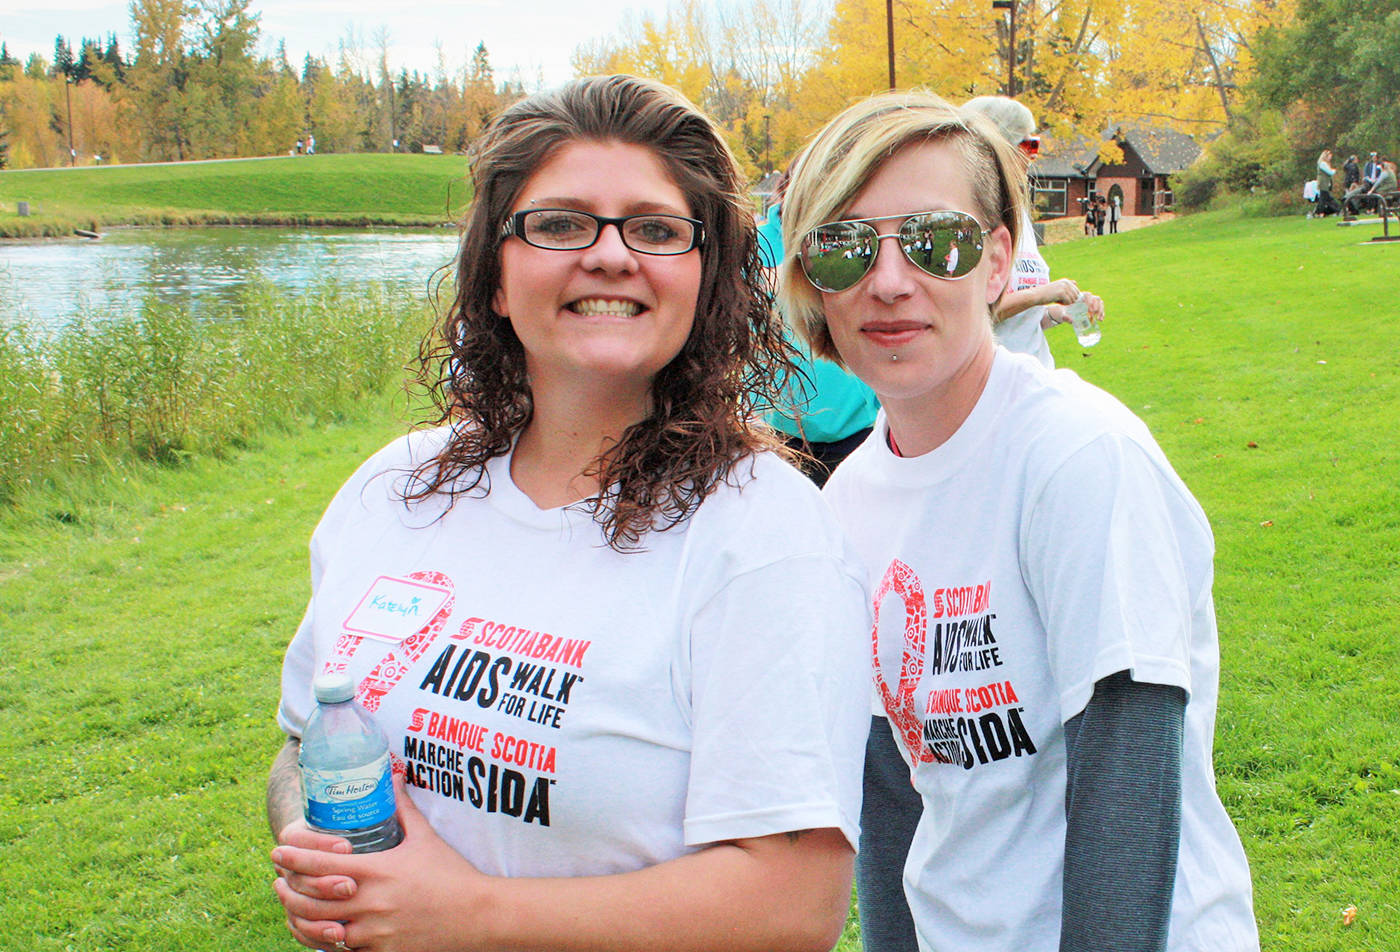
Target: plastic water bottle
<point x="346" y="782"/>
<point x="1086" y="330"/>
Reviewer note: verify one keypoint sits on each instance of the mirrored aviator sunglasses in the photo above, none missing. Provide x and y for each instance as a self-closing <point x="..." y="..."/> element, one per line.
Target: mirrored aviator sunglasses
<point x="946" y="245"/>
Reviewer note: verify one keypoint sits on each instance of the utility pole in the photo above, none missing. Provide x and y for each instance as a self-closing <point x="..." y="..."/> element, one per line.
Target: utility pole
<point x="767" y="146"/>
<point x="1010" y="7"/>
<point x="393" y="138"/>
<point x="68" y="94"/>
<point x="889" y="36"/>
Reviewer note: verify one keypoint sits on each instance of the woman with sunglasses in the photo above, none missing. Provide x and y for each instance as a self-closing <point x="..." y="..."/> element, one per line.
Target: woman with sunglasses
<point x="1044" y="640"/>
<point x="633" y="716"/>
<point x="1032" y="302"/>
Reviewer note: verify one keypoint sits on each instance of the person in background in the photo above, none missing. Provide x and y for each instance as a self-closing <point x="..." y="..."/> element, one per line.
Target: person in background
<point x="1045" y="645"/>
<point x="1325" y="203"/>
<point x="1372" y="171"/>
<point x="826" y="412"/>
<point x="635" y="715"/>
<point x="1354" y="189"/>
<point x="1033" y="302"/>
<point x="1370" y="198"/>
<point x="1351" y="173"/>
<point x="1386" y="181"/>
<point x="1115" y="212"/>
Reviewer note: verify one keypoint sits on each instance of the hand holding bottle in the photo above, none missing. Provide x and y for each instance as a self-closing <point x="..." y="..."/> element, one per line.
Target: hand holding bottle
<point x="347" y="784"/>
<point x="1086" y="316"/>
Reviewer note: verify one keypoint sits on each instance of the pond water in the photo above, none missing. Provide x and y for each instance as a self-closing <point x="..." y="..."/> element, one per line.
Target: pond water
<point x="45" y="283"/>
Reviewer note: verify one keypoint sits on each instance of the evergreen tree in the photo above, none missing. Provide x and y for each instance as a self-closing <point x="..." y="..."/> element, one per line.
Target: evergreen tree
<point x="112" y="56"/>
<point x="89" y="54"/>
<point x="62" y="57"/>
<point x="8" y="64"/>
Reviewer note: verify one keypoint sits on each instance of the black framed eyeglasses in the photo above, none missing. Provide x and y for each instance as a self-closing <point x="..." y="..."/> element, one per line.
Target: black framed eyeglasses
<point x="946" y="245"/>
<point x="568" y="229"/>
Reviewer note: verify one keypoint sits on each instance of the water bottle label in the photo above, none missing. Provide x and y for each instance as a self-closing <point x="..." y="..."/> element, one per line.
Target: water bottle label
<point x="349" y="799"/>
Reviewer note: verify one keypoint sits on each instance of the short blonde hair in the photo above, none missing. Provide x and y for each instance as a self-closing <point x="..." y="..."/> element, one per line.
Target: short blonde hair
<point x="843" y="157"/>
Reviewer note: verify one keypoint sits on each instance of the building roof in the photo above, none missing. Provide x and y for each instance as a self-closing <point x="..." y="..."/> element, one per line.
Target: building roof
<point x="1163" y="151"/>
<point x="1065" y="158"/>
<point x="768" y="184"/>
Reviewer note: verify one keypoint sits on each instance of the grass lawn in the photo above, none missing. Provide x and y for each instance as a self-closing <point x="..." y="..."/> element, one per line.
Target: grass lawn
<point x="342" y="189"/>
<point x="1257" y="351"/>
<point x="140" y="641"/>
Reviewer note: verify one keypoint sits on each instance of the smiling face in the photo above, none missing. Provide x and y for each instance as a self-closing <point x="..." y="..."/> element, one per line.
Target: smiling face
<point x="604" y="316"/>
<point x="922" y="343"/>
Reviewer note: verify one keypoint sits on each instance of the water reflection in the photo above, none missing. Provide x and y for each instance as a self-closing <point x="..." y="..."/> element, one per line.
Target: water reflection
<point x="46" y="283"/>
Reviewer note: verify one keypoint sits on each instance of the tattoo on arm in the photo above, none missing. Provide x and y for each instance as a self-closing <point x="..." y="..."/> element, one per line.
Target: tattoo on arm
<point x="794" y="835"/>
<point x="284" y="787"/>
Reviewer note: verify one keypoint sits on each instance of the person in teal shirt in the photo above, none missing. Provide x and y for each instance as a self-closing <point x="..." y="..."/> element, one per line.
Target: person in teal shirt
<point x="831" y="411"/>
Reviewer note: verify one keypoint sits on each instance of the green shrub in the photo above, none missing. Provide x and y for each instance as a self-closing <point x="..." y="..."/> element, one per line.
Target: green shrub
<point x="166" y="383"/>
<point x="1252" y="157"/>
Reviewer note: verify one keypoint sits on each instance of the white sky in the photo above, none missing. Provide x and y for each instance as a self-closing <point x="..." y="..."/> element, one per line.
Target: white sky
<point x="533" y="37"/>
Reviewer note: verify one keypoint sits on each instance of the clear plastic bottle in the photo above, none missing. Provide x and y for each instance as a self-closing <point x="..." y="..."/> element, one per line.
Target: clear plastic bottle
<point x="1088" y="331"/>
<point x="346" y="780"/>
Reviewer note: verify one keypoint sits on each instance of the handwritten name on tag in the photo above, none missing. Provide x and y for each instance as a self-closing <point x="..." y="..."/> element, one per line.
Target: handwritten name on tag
<point x="395" y="608"/>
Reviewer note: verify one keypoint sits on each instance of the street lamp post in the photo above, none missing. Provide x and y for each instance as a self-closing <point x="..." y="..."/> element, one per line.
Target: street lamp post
<point x="767" y="146"/>
<point x="1010" y="7"/>
<point x="889" y="37"/>
<point x="68" y="94"/>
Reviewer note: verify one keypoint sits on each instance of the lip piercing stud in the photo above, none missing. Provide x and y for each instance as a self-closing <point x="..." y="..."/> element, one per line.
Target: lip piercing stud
<point x="893" y="357"/>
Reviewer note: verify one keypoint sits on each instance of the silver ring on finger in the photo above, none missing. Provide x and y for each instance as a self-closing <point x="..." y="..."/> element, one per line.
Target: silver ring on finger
<point x="340" y="946"/>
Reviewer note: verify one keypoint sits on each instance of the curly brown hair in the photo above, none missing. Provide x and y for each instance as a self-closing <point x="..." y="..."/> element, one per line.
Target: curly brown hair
<point x="706" y="403"/>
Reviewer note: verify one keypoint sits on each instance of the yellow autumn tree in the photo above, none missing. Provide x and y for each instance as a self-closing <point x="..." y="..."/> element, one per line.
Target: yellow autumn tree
<point x="1080" y="65"/>
<point x="672" y="47"/>
<point x="1180" y="64"/>
<point x="279" y="115"/>
<point x="773" y="71"/>
<point x="31" y="106"/>
<point x="744" y="63"/>
<point x="102" y="125"/>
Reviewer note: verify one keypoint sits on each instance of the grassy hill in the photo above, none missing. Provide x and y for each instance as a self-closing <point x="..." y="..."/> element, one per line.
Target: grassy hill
<point x="320" y="189"/>
<point x="144" y="612"/>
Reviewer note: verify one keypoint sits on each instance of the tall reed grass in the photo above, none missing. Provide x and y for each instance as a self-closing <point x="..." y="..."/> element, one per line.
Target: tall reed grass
<point x="167" y="383"/>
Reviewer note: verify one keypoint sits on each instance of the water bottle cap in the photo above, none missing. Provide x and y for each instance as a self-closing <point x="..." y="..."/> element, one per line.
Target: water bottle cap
<point x="333" y="687"/>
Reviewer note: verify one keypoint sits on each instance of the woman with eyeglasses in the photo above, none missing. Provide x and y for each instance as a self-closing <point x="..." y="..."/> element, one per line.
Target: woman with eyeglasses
<point x="633" y="716"/>
<point x="1032" y="303"/>
<point x="1044" y="641"/>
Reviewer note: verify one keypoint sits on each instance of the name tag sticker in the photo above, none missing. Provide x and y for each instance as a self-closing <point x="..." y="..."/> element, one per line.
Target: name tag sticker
<point x="395" y="608"/>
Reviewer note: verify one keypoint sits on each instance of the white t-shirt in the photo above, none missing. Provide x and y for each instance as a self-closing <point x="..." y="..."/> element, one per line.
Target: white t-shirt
<point x="563" y="709"/>
<point x="1022" y="333"/>
<point x="1046" y="545"/>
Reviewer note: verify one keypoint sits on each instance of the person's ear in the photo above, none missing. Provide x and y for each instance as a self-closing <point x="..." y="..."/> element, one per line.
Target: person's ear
<point x="999" y="255"/>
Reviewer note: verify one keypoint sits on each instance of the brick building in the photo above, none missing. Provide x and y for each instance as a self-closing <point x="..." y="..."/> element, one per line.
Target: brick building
<point x="1066" y="172"/>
